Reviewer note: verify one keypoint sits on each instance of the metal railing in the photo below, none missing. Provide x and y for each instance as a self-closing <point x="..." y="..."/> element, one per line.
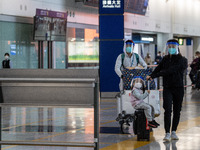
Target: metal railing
<point x="94" y="86"/>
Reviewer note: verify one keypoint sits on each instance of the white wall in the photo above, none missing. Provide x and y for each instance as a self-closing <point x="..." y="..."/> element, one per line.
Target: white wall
<point x="179" y="16"/>
<point x="27" y="8"/>
<point x="176" y="16"/>
<point x="157" y="19"/>
<point x="186" y="17"/>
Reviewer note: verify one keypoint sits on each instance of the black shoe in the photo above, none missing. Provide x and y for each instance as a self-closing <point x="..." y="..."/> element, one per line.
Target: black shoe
<point x="152" y="124"/>
<point x="156" y="123"/>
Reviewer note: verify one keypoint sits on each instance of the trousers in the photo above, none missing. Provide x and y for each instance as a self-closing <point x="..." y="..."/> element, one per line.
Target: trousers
<point x="148" y="110"/>
<point x="172" y="98"/>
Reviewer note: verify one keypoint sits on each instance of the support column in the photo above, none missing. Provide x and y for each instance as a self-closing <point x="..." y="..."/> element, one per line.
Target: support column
<point x="196" y="44"/>
<point x="40" y="55"/>
<point x="111" y="34"/>
<point x="50" y="55"/>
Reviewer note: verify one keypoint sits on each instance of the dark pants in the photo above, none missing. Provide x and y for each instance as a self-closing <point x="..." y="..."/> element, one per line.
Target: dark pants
<point x="192" y="76"/>
<point x="172" y="97"/>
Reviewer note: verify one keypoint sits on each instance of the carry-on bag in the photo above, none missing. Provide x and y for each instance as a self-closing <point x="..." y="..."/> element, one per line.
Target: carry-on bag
<point x="141" y="127"/>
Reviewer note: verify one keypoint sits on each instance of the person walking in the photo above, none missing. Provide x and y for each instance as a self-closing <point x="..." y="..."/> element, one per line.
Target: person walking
<point x="148" y="59"/>
<point x="128" y="59"/>
<point x="195" y="66"/>
<point x="158" y="58"/>
<point x="172" y="68"/>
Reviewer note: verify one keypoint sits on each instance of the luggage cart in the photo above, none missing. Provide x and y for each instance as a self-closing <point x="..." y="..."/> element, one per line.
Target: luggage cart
<point x="126" y="113"/>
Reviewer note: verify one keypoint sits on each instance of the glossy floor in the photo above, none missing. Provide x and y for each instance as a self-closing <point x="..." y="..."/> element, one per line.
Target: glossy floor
<point x="76" y="125"/>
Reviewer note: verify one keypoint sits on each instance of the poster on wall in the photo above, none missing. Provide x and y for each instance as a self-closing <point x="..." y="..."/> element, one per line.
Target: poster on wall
<point x="50" y="25"/>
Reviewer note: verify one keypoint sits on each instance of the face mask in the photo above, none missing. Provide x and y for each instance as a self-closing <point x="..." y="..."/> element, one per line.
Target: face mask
<point x="128" y="50"/>
<point x="6" y="57"/>
<point x="172" y="51"/>
<point x="138" y="85"/>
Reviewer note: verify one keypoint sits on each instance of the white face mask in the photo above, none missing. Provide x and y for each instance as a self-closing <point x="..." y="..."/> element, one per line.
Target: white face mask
<point x="138" y="85"/>
<point x="6" y="57"/>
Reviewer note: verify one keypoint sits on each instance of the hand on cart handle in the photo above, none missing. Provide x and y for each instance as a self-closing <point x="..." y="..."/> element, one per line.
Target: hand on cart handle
<point x="148" y="91"/>
<point x="148" y="78"/>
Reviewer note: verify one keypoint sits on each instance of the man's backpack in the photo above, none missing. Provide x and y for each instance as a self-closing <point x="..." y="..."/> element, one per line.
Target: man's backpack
<point x="123" y="55"/>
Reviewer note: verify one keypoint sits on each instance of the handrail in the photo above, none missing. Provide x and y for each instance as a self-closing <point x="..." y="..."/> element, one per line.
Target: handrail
<point x="50" y="79"/>
<point x="95" y="105"/>
<point x="45" y="105"/>
<point x="60" y="144"/>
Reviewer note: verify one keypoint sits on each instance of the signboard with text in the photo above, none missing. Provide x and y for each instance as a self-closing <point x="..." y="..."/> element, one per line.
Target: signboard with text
<point x="50" y="25"/>
<point x="111" y="6"/>
<point x="131" y="6"/>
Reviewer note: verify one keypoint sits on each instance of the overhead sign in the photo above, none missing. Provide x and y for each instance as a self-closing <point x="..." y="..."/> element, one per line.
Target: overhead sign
<point x="50" y="25"/>
<point x="111" y="6"/>
<point x="49" y="13"/>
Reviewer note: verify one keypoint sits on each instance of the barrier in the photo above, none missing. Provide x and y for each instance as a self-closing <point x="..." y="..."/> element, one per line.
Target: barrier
<point x="66" y="88"/>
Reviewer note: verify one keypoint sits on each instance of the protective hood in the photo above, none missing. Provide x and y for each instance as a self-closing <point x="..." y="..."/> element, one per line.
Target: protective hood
<point x="128" y="47"/>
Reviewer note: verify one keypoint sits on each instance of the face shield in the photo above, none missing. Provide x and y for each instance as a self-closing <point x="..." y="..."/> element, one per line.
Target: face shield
<point x="172" y="48"/>
<point x="138" y="83"/>
<point x="128" y="47"/>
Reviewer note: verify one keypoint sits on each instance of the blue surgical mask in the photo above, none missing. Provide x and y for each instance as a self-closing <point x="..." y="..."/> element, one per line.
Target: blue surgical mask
<point x="172" y="51"/>
<point x="128" y="49"/>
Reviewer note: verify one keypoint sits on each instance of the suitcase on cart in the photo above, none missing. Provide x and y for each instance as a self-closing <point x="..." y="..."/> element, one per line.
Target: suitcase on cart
<point x="141" y="128"/>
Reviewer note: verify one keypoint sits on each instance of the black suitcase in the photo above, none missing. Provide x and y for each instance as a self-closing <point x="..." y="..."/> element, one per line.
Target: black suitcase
<point x="141" y="127"/>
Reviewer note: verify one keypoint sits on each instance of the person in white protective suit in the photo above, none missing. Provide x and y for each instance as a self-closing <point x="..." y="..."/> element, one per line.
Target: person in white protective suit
<point x="128" y="59"/>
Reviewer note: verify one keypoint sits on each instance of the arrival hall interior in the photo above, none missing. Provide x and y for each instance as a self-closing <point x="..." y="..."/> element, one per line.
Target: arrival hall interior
<point x="59" y="85"/>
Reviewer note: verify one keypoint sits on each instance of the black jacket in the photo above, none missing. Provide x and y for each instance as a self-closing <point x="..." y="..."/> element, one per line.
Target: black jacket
<point x="6" y="63"/>
<point x="172" y="69"/>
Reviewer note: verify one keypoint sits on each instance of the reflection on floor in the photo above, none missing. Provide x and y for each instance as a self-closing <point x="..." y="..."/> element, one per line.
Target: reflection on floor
<point x="76" y="125"/>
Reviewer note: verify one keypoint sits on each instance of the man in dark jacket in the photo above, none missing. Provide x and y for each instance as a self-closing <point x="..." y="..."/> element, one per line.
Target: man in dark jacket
<point x="195" y="65"/>
<point x="172" y="69"/>
<point x="158" y="58"/>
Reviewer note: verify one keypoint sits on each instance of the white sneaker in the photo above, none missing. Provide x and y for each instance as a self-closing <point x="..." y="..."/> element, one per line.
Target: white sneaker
<point x="167" y="137"/>
<point x="174" y="136"/>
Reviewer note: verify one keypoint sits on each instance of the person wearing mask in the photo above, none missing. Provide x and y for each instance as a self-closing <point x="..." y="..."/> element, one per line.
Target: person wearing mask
<point x="128" y="59"/>
<point x="138" y="94"/>
<point x="195" y="65"/>
<point x="148" y="59"/>
<point x="6" y="63"/>
<point x="158" y="58"/>
<point x="172" y="68"/>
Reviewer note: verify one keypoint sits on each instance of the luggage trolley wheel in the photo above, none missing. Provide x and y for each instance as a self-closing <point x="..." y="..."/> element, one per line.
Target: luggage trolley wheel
<point x="125" y="122"/>
<point x="124" y="127"/>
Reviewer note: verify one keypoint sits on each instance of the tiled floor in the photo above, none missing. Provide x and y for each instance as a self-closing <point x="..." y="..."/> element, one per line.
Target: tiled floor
<point x="76" y="125"/>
